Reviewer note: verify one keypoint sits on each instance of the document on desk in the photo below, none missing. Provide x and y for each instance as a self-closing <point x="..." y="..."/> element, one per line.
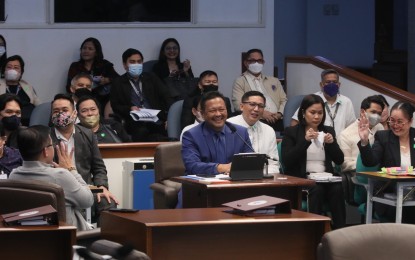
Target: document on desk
<point x="208" y="180"/>
<point x="145" y="115"/>
<point x="324" y="177"/>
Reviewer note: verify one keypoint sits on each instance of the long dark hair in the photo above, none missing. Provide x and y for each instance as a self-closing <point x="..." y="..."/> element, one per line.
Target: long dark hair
<point x="307" y="102"/>
<point x="4" y="57"/>
<point x="99" y="55"/>
<point x="162" y="56"/>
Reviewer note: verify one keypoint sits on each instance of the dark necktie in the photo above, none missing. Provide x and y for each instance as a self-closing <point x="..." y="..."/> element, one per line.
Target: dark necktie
<point x="220" y="148"/>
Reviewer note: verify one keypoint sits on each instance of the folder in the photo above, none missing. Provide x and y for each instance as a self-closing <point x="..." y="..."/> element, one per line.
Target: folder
<point x="45" y="215"/>
<point x="259" y="206"/>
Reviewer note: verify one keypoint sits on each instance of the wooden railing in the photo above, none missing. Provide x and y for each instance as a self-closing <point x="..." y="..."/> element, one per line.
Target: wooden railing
<point x="355" y="76"/>
<point x="128" y="150"/>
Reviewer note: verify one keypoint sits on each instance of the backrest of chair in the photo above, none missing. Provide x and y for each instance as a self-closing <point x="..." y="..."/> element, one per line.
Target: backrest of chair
<point x="293" y="103"/>
<point x="373" y="241"/>
<point x="17" y="195"/>
<point x="360" y="167"/>
<point x="174" y="128"/>
<point x="168" y="161"/>
<point x="41" y="114"/>
<point x="148" y="65"/>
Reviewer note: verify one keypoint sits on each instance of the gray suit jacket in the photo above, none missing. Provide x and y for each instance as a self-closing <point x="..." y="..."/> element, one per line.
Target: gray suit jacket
<point x="88" y="158"/>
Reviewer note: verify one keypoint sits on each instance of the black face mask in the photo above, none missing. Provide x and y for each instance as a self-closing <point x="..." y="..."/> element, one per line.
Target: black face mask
<point x="11" y="123"/>
<point x="80" y="92"/>
<point x="209" y="88"/>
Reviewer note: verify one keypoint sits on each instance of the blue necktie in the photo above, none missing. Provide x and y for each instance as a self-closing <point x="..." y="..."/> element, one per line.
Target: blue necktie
<point x="220" y="148"/>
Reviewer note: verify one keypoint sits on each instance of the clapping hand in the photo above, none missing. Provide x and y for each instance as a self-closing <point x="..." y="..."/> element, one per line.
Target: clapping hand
<point x="186" y="65"/>
<point x="65" y="158"/>
<point x="363" y="128"/>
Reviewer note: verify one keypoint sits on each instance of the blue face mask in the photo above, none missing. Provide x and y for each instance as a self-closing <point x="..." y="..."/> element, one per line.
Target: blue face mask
<point x="135" y="70"/>
<point x="331" y="89"/>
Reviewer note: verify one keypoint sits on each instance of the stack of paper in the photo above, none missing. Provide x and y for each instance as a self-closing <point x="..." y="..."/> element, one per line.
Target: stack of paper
<point x="145" y="115"/>
<point x="324" y="177"/>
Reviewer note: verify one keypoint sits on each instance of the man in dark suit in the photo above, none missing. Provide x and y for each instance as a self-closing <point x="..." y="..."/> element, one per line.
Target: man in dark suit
<point x="209" y="147"/>
<point x="135" y="90"/>
<point x="84" y="146"/>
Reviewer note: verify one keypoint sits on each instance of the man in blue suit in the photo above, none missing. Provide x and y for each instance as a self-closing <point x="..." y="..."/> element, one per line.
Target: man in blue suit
<point x="209" y="147"/>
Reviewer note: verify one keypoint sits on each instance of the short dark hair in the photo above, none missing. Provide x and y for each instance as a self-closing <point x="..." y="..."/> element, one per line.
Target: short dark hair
<point x="383" y="100"/>
<point x="307" y="102"/>
<point x="329" y="71"/>
<point x="207" y="73"/>
<point x="81" y="75"/>
<point x="372" y="99"/>
<point x="85" y="98"/>
<point x="208" y="96"/>
<point x="253" y="93"/>
<point x="13" y="58"/>
<point x="99" y="55"/>
<point x="32" y="140"/>
<point x="253" y="51"/>
<point x="8" y="97"/>
<point x="64" y="96"/>
<point x="196" y="101"/>
<point x="406" y="107"/>
<point x="130" y="52"/>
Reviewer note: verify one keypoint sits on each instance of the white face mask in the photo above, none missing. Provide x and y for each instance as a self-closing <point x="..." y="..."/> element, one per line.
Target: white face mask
<point x="2" y="50"/>
<point x="255" y="68"/>
<point x="12" y="75"/>
<point x="374" y="119"/>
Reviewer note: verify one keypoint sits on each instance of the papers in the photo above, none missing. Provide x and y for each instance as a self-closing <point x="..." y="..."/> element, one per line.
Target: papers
<point x="45" y="215"/>
<point x="145" y="115"/>
<point x="324" y="177"/>
<point x="216" y="179"/>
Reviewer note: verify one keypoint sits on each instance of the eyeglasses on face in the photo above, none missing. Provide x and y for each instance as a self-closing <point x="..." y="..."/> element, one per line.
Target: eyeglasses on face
<point x="399" y="123"/>
<point x="253" y="104"/>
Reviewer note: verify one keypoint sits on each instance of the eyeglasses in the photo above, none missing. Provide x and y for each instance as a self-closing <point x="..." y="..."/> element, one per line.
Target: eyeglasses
<point x="252" y="61"/>
<point x="173" y="48"/>
<point x="253" y="105"/>
<point x="398" y="123"/>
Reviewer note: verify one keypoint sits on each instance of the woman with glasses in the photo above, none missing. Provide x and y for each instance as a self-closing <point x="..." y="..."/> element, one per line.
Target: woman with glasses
<point x="311" y="147"/>
<point x="169" y="64"/>
<point x="392" y="148"/>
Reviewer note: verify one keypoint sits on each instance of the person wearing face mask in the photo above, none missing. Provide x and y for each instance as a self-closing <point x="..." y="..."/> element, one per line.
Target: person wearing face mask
<point x="339" y="108"/>
<point x="106" y="130"/>
<point x="3" y="54"/>
<point x="208" y="81"/>
<point x="372" y="106"/>
<point x="135" y="90"/>
<point x="13" y="84"/>
<point x="10" y="117"/>
<point x="254" y="79"/>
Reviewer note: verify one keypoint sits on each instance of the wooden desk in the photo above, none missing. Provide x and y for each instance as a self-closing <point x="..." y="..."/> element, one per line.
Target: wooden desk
<point x="43" y="243"/>
<point x="126" y="150"/>
<point x="400" y="181"/>
<point x="199" y="195"/>
<point x="210" y="233"/>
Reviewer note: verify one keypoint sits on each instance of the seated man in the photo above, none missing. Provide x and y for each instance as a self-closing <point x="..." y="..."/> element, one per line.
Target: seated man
<point x="10" y="116"/>
<point x="262" y="136"/>
<point x="87" y="157"/>
<point x="105" y="130"/>
<point x="196" y="113"/>
<point x="208" y="148"/>
<point x="349" y="137"/>
<point x="37" y="151"/>
<point x="136" y="90"/>
<point x="208" y="81"/>
<point x="81" y="85"/>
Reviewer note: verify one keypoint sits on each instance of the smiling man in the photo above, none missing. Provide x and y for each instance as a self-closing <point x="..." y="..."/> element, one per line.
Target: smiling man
<point x="262" y="136"/>
<point x="208" y="148"/>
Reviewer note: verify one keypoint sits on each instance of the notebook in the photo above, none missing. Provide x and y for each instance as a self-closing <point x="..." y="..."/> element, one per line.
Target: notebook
<point x="259" y="205"/>
<point x="247" y="166"/>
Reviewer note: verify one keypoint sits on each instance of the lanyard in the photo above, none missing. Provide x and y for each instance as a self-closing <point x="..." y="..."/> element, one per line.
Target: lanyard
<point x="138" y="92"/>
<point x="17" y="90"/>
<point x="332" y="117"/>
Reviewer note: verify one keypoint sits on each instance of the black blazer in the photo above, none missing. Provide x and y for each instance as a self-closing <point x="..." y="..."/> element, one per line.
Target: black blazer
<point x="294" y="151"/>
<point x="386" y="149"/>
<point x="154" y="91"/>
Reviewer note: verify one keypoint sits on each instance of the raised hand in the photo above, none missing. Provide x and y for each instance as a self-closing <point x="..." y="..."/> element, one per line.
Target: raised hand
<point x="363" y="128"/>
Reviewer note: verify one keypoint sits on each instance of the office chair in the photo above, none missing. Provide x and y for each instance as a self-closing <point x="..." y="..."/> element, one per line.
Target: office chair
<point x="174" y="128"/>
<point x="293" y="103"/>
<point x="148" y="65"/>
<point x="167" y="163"/>
<point x="373" y="241"/>
<point x="116" y="250"/>
<point x="41" y="114"/>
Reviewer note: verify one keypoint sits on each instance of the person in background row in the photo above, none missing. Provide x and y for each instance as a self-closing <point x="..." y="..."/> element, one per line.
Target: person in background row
<point x="106" y="130"/>
<point x="196" y="113"/>
<point x="208" y="81"/>
<point x="10" y="116"/>
<point x="81" y="85"/>
<point x="135" y="90"/>
<point x="339" y="108"/>
<point x="10" y="158"/>
<point x="92" y="62"/>
<point x="169" y="64"/>
<point x="3" y="54"/>
<point x="311" y="147"/>
<point x="12" y="83"/>
<point x="38" y="153"/>
<point x="385" y="113"/>
<point x="254" y="79"/>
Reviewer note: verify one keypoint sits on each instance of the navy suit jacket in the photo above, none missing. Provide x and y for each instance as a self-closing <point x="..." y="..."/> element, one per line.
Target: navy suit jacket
<point x="386" y="149"/>
<point x="198" y="147"/>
